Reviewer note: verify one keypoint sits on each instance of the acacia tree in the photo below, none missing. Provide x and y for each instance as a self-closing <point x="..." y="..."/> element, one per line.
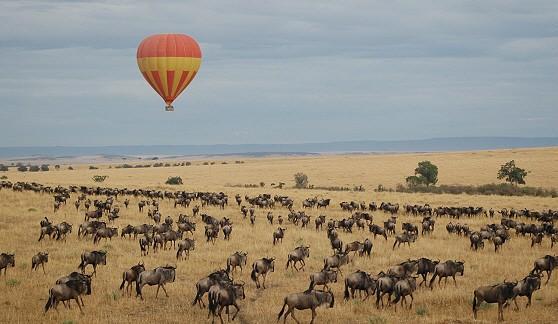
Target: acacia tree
<point x="426" y="173"/>
<point x="512" y="173"/>
<point x="301" y="180"/>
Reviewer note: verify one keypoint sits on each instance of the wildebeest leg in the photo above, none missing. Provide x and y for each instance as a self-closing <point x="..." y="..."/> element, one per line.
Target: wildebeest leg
<point x="313" y="315"/>
<point x="79" y="305"/>
<point x="455" y="282"/>
<point x="289" y="310"/>
<point x="515" y="302"/>
<point x="292" y="315"/>
<point x="264" y="275"/>
<point x="529" y="301"/>
<point x="43" y="265"/>
<point x="412" y="299"/>
<point x="237" y="310"/>
<point x="423" y="279"/>
<point x="163" y="286"/>
<point x="94" y="270"/>
<point x="548" y="273"/>
<point x="500" y="312"/>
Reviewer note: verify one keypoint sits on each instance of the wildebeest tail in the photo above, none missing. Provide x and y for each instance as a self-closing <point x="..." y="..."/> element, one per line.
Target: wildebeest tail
<point x="228" y="266"/>
<point x="397" y="296"/>
<point x="253" y="274"/>
<point x="50" y="301"/>
<point x="213" y="299"/>
<point x="138" y="287"/>
<point x="123" y="281"/>
<point x="282" y="309"/>
<point x="346" y="289"/>
<point x="474" y="303"/>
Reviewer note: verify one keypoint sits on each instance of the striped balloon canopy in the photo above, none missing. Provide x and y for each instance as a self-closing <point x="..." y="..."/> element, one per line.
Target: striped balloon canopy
<point x="169" y="62"/>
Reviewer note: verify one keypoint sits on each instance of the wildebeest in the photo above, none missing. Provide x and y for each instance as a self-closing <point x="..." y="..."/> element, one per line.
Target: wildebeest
<point x="106" y="233"/>
<point x="353" y="247"/>
<point x="499" y="293"/>
<point x="237" y="259"/>
<point x="406" y="237"/>
<point x="336" y="261"/>
<point x="128" y="230"/>
<point x="203" y="285"/>
<point x="222" y="296"/>
<point x="377" y="230"/>
<point x="71" y="289"/>
<point x="447" y="269"/>
<point x="185" y="246"/>
<point x="94" y="258"/>
<point x="297" y="256"/>
<point x="310" y="299"/>
<point x="319" y="221"/>
<point x="537" y="239"/>
<point x="227" y="230"/>
<point x="526" y="287"/>
<point x="39" y="259"/>
<point x="403" y="269"/>
<point x="158" y="276"/>
<point x="546" y="263"/>
<point x="384" y="286"/>
<point x="144" y="244"/>
<point x="130" y="276"/>
<point x="211" y="233"/>
<point x="278" y="235"/>
<point x="62" y="230"/>
<point x="366" y="248"/>
<point x="476" y="241"/>
<point x="6" y="260"/>
<point x="322" y="278"/>
<point x="360" y="281"/>
<point x="404" y="287"/>
<point x="262" y="267"/>
<point x="49" y="230"/>
<point x="426" y="266"/>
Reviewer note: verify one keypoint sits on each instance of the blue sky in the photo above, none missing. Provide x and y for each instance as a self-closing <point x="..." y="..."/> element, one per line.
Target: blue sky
<point x="280" y="71"/>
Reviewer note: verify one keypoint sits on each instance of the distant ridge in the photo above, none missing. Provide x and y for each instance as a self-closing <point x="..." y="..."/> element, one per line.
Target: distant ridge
<point x="420" y="145"/>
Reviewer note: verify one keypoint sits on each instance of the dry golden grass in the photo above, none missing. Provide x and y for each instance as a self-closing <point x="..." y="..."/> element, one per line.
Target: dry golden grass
<point x="23" y="293"/>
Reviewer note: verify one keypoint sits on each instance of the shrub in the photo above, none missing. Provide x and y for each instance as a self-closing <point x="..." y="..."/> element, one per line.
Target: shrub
<point x="174" y="181"/>
<point x="22" y="168"/>
<point x="205" y="163"/>
<point x="70" y="168"/>
<point x="34" y="168"/>
<point x="92" y="167"/>
<point x="99" y="178"/>
<point x="57" y="167"/>
<point x="3" y="177"/>
<point x="188" y="163"/>
<point x="167" y="165"/>
<point x="44" y="167"/>
<point x="262" y="184"/>
<point x="3" y="167"/>
<point x="301" y="180"/>
<point x="421" y="311"/>
<point x="12" y="282"/>
<point x="512" y="173"/>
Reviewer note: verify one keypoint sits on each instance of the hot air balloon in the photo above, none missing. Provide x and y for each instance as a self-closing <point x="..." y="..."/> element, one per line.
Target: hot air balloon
<point x="169" y="62"/>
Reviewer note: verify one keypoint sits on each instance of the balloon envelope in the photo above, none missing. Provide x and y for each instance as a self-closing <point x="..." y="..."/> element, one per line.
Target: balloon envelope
<point x="169" y="62"/>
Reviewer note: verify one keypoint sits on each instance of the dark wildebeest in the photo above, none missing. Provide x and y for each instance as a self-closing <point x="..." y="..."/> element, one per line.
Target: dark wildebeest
<point x="203" y="285"/>
<point x="262" y="267"/>
<point x="6" y="260"/>
<point x="310" y="299"/>
<point x="404" y="287"/>
<point x="353" y="247"/>
<point x="384" y="286"/>
<point x="39" y="259"/>
<point x="227" y="230"/>
<point x="406" y="237"/>
<point x="403" y="269"/>
<point x="322" y="278"/>
<point x="377" y="230"/>
<point x="499" y="293"/>
<point x="187" y="227"/>
<point x="62" y="230"/>
<point x="185" y="246"/>
<point x="360" y="281"/>
<point x="320" y="220"/>
<point x="336" y="261"/>
<point x="447" y="269"/>
<point x="236" y="260"/>
<point x="476" y="241"/>
<point x="526" y="287"/>
<point x="270" y="218"/>
<point x="93" y="214"/>
<point x="71" y="289"/>
<point x="158" y="276"/>
<point x="546" y="263"/>
<point x="49" y="230"/>
<point x="144" y="244"/>
<point x="222" y="296"/>
<point x="94" y="258"/>
<point x="128" y="230"/>
<point x="426" y="266"/>
<point x="130" y="276"/>
<point x="366" y="248"/>
<point x="537" y="239"/>
<point x="278" y="235"/>
<point x="297" y="256"/>
<point x="106" y="233"/>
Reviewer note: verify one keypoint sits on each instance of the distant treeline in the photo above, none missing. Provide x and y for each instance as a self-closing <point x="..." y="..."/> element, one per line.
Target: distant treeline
<point x="503" y="189"/>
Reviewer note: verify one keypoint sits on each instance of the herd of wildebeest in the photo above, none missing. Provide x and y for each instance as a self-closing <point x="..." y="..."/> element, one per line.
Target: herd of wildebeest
<point x="398" y="281"/>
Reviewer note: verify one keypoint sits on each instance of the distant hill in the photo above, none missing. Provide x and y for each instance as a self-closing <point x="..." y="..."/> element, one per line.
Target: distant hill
<point x="422" y="145"/>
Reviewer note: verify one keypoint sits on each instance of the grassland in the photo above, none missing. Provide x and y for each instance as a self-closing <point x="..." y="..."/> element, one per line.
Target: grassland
<point x="23" y="293"/>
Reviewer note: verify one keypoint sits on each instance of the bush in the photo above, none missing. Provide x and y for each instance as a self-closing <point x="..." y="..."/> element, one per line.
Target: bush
<point x="512" y="173"/>
<point x="167" y="165"/>
<point x="44" y="167"/>
<point x="3" y="167"/>
<point x="205" y="163"/>
<point x="34" y="168"/>
<point x="22" y="168"/>
<point x="3" y="177"/>
<point x="188" y="163"/>
<point x="92" y="167"/>
<point x="502" y="189"/>
<point x="262" y="184"/>
<point x="174" y="181"/>
<point x="99" y="178"/>
<point x="57" y="167"/>
<point x="301" y="180"/>
<point x="70" y="168"/>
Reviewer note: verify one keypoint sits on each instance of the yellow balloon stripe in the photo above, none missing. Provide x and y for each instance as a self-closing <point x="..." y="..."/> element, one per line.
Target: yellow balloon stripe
<point x="162" y="65"/>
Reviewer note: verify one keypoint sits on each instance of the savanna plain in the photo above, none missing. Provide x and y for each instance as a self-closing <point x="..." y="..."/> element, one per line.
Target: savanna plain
<point x="23" y="292"/>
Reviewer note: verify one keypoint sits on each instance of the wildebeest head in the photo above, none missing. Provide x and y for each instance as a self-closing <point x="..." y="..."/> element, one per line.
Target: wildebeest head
<point x="460" y="267"/>
<point x="9" y="259"/>
<point x="101" y="256"/>
<point x="270" y="263"/>
<point x="239" y="290"/>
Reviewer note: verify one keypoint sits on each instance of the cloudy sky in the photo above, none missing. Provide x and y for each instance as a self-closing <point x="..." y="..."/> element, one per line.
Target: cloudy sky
<point x="280" y="71"/>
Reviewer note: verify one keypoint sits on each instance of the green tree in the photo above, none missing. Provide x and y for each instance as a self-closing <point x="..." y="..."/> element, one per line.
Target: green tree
<point x="426" y="173"/>
<point x="301" y="180"/>
<point x="512" y="174"/>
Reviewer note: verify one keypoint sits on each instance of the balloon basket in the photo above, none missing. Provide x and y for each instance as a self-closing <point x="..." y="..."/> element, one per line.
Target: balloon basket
<point x="169" y="108"/>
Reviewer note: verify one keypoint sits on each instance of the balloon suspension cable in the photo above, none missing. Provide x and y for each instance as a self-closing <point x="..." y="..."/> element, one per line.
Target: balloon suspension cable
<point x="169" y="108"/>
